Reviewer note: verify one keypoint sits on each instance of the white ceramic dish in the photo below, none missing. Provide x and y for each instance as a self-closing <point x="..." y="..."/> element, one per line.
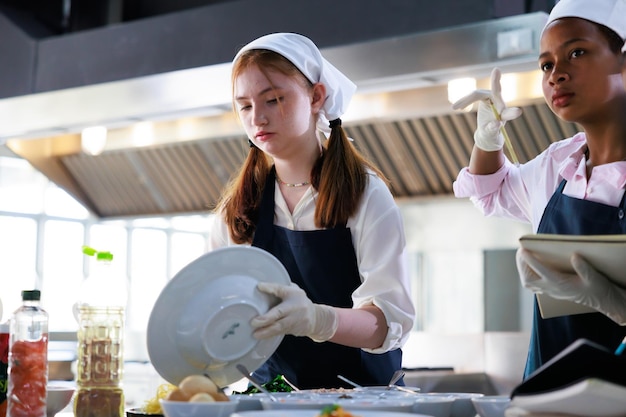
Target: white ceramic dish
<point x="404" y="405"/>
<point x="436" y="406"/>
<point x="187" y="409"/>
<point x="491" y="405"/>
<point x="200" y="322"/>
<point x="462" y="405"/>
<point x="385" y="391"/>
<point x="58" y="396"/>
<point x="296" y="403"/>
<point x="314" y="413"/>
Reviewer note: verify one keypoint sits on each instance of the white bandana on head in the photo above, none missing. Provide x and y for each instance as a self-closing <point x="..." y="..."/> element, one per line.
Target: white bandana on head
<point x="305" y="55"/>
<point x="610" y="13"/>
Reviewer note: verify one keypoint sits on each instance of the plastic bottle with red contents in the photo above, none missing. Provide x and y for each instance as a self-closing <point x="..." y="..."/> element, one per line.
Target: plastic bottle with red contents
<point x="4" y="365"/>
<point x="28" y="358"/>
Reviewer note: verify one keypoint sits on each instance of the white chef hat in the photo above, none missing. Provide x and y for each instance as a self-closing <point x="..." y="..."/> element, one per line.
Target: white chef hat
<point x="610" y="13"/>
<point x="305" y="55"/>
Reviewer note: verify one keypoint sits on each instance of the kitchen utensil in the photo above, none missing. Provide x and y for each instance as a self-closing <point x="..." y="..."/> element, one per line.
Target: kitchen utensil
<point x="395" y="378"/>
<point x="344" y="379"/>
<point x="293" y="387"/>
<point x="244" y="371"/>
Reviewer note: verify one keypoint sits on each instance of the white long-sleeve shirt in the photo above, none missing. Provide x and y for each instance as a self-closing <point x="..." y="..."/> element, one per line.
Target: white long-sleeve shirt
<point x="380" y="247"/>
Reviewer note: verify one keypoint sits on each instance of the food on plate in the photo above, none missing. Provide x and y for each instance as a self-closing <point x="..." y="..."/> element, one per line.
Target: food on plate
<point x="278" y="384"/>
<point x="335" y="411"/>
<point x="194" y="384"/>
<point x="177" y="395"/>
<point x="202" y="397"/>
<point x="152" y="406"/>
<point x="193" y="388"/>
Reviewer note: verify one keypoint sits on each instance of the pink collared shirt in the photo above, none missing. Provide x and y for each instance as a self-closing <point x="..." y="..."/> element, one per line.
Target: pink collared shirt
<point x="522" y="192"/>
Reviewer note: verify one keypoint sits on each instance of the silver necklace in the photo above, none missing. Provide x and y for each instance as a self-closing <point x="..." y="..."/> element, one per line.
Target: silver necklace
<point x="288" y="184"/>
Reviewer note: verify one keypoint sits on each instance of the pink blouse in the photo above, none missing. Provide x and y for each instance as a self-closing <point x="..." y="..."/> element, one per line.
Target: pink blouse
<point x="522" y="192"/>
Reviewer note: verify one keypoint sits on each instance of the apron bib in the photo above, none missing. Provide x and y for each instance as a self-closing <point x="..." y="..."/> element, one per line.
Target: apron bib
<point x="572" y="216"/>
<point x="323" y="263"/>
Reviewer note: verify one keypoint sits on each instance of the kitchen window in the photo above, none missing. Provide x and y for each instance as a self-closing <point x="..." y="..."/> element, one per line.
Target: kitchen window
<point x="43" y="229"/>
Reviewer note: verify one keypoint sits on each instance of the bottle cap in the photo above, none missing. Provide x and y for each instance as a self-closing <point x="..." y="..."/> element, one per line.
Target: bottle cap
<point x="104" y="256"/>
<point x="31" y="295"/>
<point x="100" y="256"/>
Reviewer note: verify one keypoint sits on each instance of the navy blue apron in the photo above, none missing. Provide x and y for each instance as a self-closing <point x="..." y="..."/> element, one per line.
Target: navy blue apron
<point x="323" y="264"/>
<point x="573" y="216"/>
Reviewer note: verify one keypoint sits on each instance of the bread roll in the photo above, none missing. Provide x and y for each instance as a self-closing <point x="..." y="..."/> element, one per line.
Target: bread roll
<point x="220" y="396"/>
<point x="202" y="397"/>
<point x="194" y="384"/>
<point x="177" y="395"/>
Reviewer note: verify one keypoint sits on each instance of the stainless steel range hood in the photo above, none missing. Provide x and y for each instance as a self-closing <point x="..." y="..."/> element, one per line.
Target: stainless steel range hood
<point x="386" y="65"/>
<point x="400" y="117"/>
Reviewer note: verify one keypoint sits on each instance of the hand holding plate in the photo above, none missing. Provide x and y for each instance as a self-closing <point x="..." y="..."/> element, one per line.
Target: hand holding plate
<point x="296" y="314"/>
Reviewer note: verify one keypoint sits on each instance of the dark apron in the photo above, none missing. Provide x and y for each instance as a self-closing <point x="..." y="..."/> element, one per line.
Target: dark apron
<point x="322" y="263"/>
<point x="573" y="216"/>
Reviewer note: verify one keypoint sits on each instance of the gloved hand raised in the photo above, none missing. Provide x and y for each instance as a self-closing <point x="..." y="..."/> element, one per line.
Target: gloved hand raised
<point x="586" y="286"/>
<point x="296" y="314"/>
<point x="488" y="136"/>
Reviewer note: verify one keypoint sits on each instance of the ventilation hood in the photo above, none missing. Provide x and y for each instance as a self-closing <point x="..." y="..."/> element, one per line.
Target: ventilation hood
<point x="400" y="118"/>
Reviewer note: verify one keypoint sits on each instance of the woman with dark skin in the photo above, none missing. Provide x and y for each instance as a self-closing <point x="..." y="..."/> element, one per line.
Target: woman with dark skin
<point x="576" y="186"/>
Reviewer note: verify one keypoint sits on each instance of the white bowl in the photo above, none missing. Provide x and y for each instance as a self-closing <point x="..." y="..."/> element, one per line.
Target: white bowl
<point x="462" y="405"/>
<point x="187" y="409"/>
<point x="385" y="391"/>
<point x="436" y="406"/>
<point x="400" y="404"/>
<point x="491" y="405"/>
<point x="57" y="398"/>
<point x="295" y="403"/>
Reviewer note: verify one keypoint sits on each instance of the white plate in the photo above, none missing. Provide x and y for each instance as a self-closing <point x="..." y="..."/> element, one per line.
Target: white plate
<point x="200" y="322"/>
<point x="314" y="413"/>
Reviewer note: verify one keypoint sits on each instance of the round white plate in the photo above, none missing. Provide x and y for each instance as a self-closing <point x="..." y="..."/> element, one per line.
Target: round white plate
<point x="200" y="322"/>
<point x="314" y="413"/>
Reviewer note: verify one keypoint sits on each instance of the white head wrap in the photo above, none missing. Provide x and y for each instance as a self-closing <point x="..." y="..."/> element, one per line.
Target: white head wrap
<point x="610" y="13"/>
<point x="305" y="55"/>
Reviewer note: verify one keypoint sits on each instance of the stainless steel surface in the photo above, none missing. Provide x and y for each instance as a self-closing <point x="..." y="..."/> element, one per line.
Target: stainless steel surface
<point x="420" y="155"/>
<point x="395" y="377"/>
<point x="244" y="371"/>
<point x="400" y="118"/>
<point x="398" y="63"/>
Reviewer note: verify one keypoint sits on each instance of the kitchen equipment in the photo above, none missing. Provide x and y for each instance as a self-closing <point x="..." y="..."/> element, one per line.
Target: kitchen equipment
<point x="344" y="379"/>
<point x="244" y="371"/>
<point x="395" y="378"/>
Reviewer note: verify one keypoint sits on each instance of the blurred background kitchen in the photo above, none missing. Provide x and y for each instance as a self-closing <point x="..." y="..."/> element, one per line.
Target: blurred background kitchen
<point x="116" y="131"/>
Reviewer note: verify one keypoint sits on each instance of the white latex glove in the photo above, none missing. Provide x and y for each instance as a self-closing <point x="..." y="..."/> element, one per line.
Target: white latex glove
<point x="295" y="315"/>
<point x="488" y="136"/>
<point x="586" y="286"/>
